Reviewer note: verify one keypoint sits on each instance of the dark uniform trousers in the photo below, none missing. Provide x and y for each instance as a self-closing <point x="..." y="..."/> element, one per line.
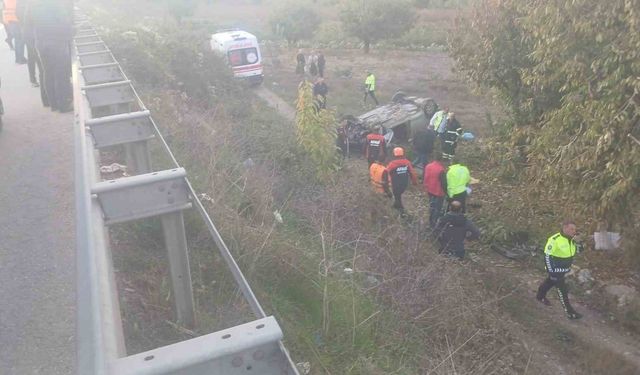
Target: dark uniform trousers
<point x="55" y="57"/>
<point x="556" y="268"/>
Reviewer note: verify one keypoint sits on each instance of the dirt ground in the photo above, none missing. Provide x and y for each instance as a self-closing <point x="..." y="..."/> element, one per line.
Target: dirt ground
<point x="425" y="74"/>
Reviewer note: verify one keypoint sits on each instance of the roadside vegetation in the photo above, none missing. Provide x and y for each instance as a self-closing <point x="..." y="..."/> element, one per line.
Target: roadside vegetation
<point x="356" y="289"/>
<point x="573" y="100"/>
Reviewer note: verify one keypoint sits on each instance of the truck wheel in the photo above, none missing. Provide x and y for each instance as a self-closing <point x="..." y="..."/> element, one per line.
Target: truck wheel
<point x="398" y="97"/>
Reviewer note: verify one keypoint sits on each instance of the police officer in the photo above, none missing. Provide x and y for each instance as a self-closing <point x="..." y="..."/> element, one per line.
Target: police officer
<point x="450" y="136"/>
<point x="375" y="146"/>
<point x="370" y="87"/>
<point x="558" y="255"/>
<point x="400" y="171"/>
<point x="439" y="121"/>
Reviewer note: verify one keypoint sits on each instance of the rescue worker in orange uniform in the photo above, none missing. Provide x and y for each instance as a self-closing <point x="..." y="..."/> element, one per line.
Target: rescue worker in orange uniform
<point x="379" y="178"/>
<point x="12" y="25"/>
<point x="375" y="146"/>
<point x="400" y="171"/>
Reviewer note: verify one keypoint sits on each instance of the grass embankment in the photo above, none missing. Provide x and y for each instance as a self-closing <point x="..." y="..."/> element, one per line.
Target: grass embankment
<point x="399" y="311"/>
<point x="403" y="310"/>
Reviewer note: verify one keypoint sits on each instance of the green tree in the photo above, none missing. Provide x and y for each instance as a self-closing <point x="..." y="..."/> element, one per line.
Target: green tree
<point x="568" y="71"/>
<point x="294" y="22"/>
<point x="180" y="9"/>
<point x="373" y="20"/>
<point x="316" y="130"/>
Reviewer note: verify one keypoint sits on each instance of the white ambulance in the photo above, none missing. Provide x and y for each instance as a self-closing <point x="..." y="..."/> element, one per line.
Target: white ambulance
<point x="242" y="52"/>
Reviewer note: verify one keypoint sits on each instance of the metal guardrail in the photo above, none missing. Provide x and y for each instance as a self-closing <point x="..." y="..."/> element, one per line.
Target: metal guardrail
<point x="109" y="112"/>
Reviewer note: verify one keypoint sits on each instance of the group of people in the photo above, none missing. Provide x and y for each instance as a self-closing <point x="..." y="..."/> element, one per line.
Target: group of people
<point x="312" y="68"/>
<point x="44" y="28"/>
<point x="441" y="182"/>
<point x="445" y="181"/>
<point x="314" y="64"/>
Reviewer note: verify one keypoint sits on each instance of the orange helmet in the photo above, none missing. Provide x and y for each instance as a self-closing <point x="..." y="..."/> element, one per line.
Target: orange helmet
<point x="398" y="151"/>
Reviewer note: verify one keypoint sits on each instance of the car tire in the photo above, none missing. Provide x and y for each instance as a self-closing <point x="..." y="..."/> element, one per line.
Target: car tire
<point x="398" y="97"/>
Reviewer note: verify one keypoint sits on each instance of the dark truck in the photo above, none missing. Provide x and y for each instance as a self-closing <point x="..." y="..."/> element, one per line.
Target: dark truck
<point x="398" y="119"/>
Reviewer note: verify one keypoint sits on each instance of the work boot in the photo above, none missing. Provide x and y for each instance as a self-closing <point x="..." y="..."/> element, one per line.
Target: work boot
<point x="543" y="301"/>
<point x="574" y="315"/>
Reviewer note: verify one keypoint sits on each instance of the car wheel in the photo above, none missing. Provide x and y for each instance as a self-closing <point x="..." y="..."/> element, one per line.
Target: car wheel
<point x="430" y="107"/>
<point x="398" y="97"/>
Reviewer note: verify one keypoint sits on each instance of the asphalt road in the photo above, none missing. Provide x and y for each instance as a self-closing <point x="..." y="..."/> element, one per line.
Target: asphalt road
<point x="37" y="241"/>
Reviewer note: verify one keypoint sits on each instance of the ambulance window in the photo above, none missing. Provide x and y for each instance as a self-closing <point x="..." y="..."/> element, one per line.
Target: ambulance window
<point x="244" y="56"/>
<point x="235" y="57"/>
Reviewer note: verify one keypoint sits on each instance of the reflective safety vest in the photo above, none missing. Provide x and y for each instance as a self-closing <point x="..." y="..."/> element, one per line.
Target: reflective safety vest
<point x="458" y="177"/>
<point x="438" y="120"/>
<point x="379" y="177"/>
<point x="560" y="246"/>
<point x="370" y="82"/>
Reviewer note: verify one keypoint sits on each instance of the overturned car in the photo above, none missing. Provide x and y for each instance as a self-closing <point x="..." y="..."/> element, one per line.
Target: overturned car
<point x="398" y="120"/>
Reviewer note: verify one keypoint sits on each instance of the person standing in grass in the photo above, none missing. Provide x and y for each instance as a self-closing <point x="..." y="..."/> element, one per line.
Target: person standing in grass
<point x="320" y="91"/>
<point x="300" y="63"/>
<point x="558" y="257"/>
<point x="400" y="172"/>
<point x="321" y="64"/>
<point x="370" y="87"/>
<point x="450" y="136"/>
<point x="435" y="185"/>
<point x="458" y="179"/>
<point x="375" y="146"/>
<point x="453" y="229"/>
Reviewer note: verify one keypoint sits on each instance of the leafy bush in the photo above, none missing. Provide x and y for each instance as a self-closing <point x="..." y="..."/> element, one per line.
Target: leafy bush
<point x="568" y="72"/>
<point x="316" y="132"/>
<point x="172" y="56"/>
<point x="419" y="37"/>
<point x="294" y="22"/>
<point x="375" y="20"/>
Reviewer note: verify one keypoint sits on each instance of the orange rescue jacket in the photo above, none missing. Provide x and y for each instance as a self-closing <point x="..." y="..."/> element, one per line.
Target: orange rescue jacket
<point x="9" y="12"/>
<point x="379" y="178"/>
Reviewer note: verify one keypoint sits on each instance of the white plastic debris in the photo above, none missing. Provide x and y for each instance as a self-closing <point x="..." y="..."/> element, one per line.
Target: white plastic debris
<point x="278" y="217"/>
<point x="304" y="368"/>
<point x="584" y="276"/>
<point x="249" y="163"/>
<point x="606" y="240"/>
<point x="205" y="197"/>
<point x="115" y="167"/>
<point x="348" y="270"/>
<point x="467" y="136"/>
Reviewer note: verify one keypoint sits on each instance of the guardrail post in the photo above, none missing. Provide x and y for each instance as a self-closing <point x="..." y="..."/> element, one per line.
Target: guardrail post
<point x="137" y="157"/>
<point x="175" y="240"/>
<point x="176" y="243"/>
<point x="110" y="113"/>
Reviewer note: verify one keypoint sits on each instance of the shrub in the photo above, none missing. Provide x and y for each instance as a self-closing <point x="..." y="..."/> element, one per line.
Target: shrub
<point x="294" y="22"/>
